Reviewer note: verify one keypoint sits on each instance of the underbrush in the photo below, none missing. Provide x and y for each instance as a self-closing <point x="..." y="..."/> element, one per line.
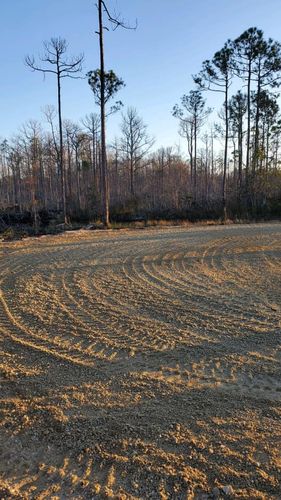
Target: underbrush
<point x="21" y="231"/>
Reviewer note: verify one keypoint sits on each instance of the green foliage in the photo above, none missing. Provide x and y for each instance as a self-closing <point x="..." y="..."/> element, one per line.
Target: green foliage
<point x="237" y="109"/>
<point x="216" y="74"/>
<point x="262" y="56"/>
<point x="86" y="164"/>
<point x="193" y="103"/>
<point x="112" y="84"/>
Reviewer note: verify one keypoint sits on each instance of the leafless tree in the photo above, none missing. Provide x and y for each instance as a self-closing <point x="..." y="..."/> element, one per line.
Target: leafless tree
<point x="91" y="123"/>
<point x="135" y="142"/>
<point x="62" y="67"/>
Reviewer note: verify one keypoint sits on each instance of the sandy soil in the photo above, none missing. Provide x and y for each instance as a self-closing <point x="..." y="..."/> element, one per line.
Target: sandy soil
<point x="142" y="364"/>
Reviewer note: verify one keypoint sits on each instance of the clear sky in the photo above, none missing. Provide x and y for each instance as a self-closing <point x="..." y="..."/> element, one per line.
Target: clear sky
<point x="156" y="61"/>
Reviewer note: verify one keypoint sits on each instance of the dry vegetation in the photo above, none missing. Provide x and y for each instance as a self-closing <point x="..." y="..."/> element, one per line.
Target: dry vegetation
<point x="141" y="364"/>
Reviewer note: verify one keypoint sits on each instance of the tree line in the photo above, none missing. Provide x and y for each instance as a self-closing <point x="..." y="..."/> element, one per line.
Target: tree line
<point x="232" y="166"/>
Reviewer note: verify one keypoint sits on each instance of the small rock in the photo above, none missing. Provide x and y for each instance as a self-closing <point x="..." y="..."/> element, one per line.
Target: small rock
<point x="216" y="492"/>
<point x="228" y="490"/>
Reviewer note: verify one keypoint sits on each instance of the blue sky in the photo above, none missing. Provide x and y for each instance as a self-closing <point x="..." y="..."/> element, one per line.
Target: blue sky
<point x="156" y="61"/>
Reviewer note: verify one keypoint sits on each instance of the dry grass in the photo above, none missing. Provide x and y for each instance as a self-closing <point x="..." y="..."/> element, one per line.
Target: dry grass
<point x="167" y="223"/>
<point x="141" y="364"/>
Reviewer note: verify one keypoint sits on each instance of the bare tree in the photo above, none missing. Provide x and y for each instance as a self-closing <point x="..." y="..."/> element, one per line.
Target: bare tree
<point x="5" y="184"/>
<point x="62" y="67"/>
<point x="135" y="142"/>
<point x="91" y="123"/>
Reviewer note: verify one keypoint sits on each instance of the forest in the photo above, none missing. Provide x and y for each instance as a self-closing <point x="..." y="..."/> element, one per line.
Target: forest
<point x="230" y="168"/>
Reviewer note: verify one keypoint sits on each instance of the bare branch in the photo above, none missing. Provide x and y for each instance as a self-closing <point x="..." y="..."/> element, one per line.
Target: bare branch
<point x="116" y="21"/>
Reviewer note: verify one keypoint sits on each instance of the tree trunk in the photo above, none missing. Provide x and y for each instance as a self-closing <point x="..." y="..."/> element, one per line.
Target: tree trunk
<point x="105" y="193"/>
<point x="248" y="125"/>
<point x="225" y="152"/>
<point x="61" y="162"/>
<point x="195" y="161"/>
<point x="257" y="119"/>
<point x="240" y="159"/>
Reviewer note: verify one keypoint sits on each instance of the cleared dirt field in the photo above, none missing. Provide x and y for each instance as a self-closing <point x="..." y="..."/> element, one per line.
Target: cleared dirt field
<point x="142" y="364"/>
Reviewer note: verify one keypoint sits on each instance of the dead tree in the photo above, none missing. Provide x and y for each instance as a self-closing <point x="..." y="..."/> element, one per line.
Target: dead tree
<point x="91" y="123"/>
<point x="63" y="67"/>
<point x="135" y="142"/>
